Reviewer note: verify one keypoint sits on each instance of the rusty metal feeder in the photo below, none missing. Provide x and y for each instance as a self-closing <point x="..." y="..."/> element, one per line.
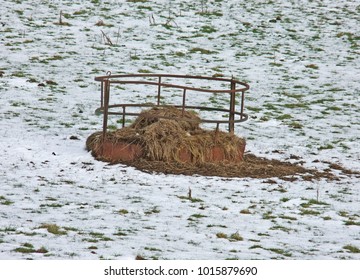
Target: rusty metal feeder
<point x="125" y="152"/>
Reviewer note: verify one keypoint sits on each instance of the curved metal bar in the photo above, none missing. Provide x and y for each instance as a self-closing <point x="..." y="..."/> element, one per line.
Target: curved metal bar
<point x="178" y="86"/>
<point x="101" y="78"/>
<point x="243" y="117"/>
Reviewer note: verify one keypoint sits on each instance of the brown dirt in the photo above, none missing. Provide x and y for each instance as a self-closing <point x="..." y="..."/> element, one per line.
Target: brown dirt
<point x="251" y="167"/>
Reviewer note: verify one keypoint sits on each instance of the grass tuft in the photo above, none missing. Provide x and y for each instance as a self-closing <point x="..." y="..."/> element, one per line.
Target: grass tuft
<point x="352" y="249"/>
<point x="53" y="228"/>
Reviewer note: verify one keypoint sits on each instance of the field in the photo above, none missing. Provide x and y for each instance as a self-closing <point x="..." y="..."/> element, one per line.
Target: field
<point x="302" y="62"/>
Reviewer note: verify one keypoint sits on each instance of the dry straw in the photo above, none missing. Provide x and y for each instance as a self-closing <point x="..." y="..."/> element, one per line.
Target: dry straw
<point x="187" y="120"/>
<point x="164" y="139"/>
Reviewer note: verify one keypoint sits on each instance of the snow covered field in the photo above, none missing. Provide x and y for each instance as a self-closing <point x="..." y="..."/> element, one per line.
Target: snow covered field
<point x="302" y="62"/>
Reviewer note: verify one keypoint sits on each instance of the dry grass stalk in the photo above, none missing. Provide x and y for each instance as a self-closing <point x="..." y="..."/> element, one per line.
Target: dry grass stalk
<point x="106" y="39"/>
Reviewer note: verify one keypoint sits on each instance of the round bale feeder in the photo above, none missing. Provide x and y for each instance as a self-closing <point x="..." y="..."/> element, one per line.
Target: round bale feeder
<point x="166" y="127"/>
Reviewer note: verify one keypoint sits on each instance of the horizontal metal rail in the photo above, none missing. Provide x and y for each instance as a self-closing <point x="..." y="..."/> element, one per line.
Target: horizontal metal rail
<point x="242" y="118"/>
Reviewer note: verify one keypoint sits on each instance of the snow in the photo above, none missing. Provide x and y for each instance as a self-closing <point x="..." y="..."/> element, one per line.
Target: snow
<point x="304" y="64"/>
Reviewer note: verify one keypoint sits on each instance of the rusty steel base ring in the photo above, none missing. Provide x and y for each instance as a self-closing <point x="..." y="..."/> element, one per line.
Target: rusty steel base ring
<point x="127" y="152"/>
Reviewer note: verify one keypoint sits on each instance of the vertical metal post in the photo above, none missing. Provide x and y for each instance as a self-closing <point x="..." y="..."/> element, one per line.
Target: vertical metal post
<point x="242" y="104"/>
<point x="159" y="91"/>
<point x="216" y="137"/>
<point x="232" y="106"/>
<point x="102" y="95"/>
<point x="123" y="119"/>
<point x="106" y="109"/>
<point x="183" y="102"/>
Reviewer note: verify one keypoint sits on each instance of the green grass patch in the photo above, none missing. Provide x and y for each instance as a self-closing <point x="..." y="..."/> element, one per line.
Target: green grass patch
<point x="312" y="66"/>
<point x="99" y="237"/>
<point x="53" y="228"/>
<point x="210" y="13"/>
<point x="284" y="117"/>
<point x="53" y="205"/>
<point x="219" y="226"/>
<point x="152" y="249"/>
<point x="280" y="252"/>
<point x="352" y="223"/>
<point x="55" y="57"/>
<point x="96" y="234"/>
<point x="120" y="233"/>
<point x="313" y="202"/>
<point x="8" y="229"/>
<point x="221" y="235"/>
<point x="285" y="217"/>
<point x="268" y="216"/>
<point x="201" y="50"/>
<point x="123" y="211"/>
<point x="136" y="1"/>
<point x="256" y="247"/>
<point x="254" y="109"/>
<point x="296" y="105"/>
<point x="336" y="89"/>
<point x="271" y="107"/>
<point x="295" y="125"/>
<point x="144" y="71"/>
<point x="323" y="100"/>
<point x="5" y="201"/>
<point x="236" y="237"/>
<point x="179" y="54"/>
<point x="333" y="108"/>
<point x="352" y="249"/>
<point x="18" y="74"/>
<point x="282" y="228"/>
<point x="207" y="29"/>
<point x="28" y="248"/>
<point x="196" y="216"/>
<point x="326" y="147"/>
<point x="24" y="250"/>
<point x="112" y="127"/>
<point x="245" y="211"/>
<point x="191" y="199"/>
<point x="90" y="240"/>
<point x="309" y="212"/>
<point x="80" y="12"/>
<point x="153" y="210"/>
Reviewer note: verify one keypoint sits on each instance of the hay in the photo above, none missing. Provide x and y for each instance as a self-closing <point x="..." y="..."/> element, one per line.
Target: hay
<point x="200" y="142"/>
<point x="93" y="140"/>
<point x="162" y="140"/>
<point x="171" y="140"/>
<point x="251" y="167"/>
<point x="188" y="120"/>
